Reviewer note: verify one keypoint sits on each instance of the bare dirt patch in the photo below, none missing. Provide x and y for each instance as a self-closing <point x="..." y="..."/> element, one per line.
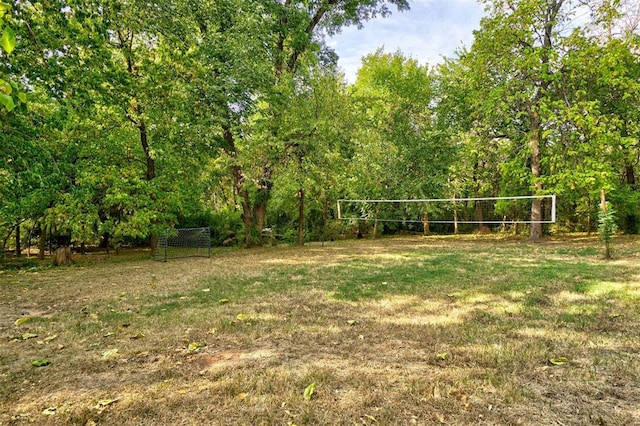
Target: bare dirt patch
<point x="214" y="362"/>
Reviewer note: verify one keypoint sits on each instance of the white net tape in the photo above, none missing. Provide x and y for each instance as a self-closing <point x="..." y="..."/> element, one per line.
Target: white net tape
<point x="487" y="210"/>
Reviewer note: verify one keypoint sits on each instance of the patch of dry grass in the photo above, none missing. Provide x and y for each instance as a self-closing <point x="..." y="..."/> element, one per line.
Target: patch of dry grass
<point x="394" y="331"/>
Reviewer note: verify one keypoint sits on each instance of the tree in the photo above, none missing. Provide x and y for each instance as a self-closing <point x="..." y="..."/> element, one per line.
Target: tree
<point x="479" y="137"/>
<point x="314" y="130"/>
<point x="607" y="226"/>
<point x="516" y="59"/>
<point x="264" y="47"/>
<point x="589" y="145"/>
<point x="400" y="143"/>
<point x="116" y="128"/>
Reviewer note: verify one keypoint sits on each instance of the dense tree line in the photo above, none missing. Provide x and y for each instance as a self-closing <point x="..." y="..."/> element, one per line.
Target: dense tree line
<point x="122" y="118"/>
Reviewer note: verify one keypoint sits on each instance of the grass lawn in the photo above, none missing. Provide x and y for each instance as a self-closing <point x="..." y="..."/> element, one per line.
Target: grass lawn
<point x="413" y="330"/>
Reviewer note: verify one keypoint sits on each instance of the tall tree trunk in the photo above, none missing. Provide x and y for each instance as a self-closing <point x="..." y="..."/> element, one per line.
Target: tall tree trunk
<point x="301" y="217"/>
<point x="262" y="200"/>
<point x="251" y="233"/>
<point x="42" y="243"/>
<point x="150" y="172"/>
<point x="479" y="213"/>
<point x="144" y="141"/>
<point x="426" y="228"/>
<point x="29" y="240"/>
<point x="535" y="135"/>
<point x="4" y="242"/>
<point x="18" y="236"/>
<point x="248" y="222"/>
<point x="631" y="224"/>
<point x="536" y="172"/>
<point x="126" y="42"/>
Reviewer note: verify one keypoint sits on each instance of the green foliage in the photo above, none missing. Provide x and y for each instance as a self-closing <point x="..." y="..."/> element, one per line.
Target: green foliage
<point x="8" y="44"/>
<point x="8" y="39"/>
<point x="532" y="119"/>
<point x="225" y="224"/>
<point x="397" y="140"/>
<point x="607" y="226"/>
<point x="21" y="264"/>
<point x="200" y="113"/>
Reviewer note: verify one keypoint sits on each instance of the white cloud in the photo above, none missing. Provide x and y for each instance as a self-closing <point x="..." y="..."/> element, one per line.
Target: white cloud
<point x="430" y="30"/>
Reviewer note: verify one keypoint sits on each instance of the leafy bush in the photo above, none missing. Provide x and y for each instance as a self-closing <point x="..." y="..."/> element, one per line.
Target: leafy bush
<point x="19" y="263"/>
<point x="607" y="227"/>
<point x="225" y="224"/>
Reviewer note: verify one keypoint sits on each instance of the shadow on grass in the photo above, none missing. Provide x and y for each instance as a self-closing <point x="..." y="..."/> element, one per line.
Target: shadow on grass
<point x="461" y="335"/>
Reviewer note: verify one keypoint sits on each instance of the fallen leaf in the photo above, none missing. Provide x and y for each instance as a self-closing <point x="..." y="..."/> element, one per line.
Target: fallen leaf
<point x="50" y="338"/>
<point x="110" y="353"/>
<point x="242" y="396"/>
<point x="137" y="336"/>
<point x="558" y="361"/>
<point x="309" y="391"/>
<point x="206" y="290"/>
<point x="436" y="392"/>
<point x="105" y="403"/>
<point x="194" y="346"/>
<point x="242" y="317"/>
<point x="27" y="336"/>
<point x="40" y="363"/>
<point x="22" y="320"/>
<point x="370" y="417"/>
<point x="223" y="301"/>
<point x="49" y="411"/>
<point x="441" y="356"/>
<point x="352" y="322"/>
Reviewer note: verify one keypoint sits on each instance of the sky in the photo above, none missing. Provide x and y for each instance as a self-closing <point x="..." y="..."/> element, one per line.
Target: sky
<point x="430" y="30"/>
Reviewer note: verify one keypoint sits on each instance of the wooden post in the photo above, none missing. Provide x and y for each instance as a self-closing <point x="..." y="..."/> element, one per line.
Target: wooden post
<point x="426" y="229"/>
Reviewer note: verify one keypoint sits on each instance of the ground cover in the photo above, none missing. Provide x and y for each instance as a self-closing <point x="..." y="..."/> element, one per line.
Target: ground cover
<point x="414" y="330"/>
